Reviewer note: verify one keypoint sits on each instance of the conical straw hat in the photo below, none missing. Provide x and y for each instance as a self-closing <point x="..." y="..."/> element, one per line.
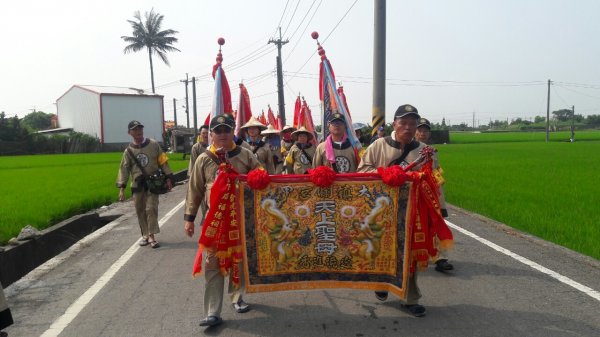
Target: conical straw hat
<point x="254" y="122"/>
<point x="302" y="129"/>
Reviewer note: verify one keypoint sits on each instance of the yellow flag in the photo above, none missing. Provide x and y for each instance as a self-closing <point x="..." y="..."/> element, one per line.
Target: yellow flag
<point x="162" y="159"/>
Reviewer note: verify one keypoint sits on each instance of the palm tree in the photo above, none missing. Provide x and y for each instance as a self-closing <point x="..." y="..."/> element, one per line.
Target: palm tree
<point x="148" y="35"/>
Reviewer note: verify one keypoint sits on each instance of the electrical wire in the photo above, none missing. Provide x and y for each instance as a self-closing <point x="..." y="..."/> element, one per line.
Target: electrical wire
<point x="292" y="18"/>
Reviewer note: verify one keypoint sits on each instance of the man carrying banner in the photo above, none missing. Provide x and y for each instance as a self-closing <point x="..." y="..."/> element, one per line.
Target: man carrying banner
<point x="202" y="177"/>
<point x="401" y="150"/>
<point x="257" y="146"/>
<point x="299" y="159"/>
<point x="336" y="151"/>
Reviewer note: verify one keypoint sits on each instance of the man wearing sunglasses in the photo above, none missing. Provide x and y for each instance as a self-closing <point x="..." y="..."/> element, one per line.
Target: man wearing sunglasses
<point x="202" y="177"/>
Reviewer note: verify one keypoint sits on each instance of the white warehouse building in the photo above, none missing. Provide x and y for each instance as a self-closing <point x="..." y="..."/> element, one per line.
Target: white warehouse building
<point x="104" y="112"/>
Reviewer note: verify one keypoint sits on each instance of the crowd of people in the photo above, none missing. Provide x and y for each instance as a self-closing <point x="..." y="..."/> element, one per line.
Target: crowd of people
<point x="286" y="151"/>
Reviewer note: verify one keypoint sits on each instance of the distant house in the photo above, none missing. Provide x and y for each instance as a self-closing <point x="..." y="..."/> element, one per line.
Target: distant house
<point x="104" y="112"/>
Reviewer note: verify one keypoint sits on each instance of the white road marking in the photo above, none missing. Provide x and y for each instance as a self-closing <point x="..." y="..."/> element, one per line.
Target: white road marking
<point x="71" y="313"/>
<point x="584" y="289"/>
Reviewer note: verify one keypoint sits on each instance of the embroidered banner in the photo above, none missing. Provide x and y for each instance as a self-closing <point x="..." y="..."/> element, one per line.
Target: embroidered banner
<point x="349" y="235"/>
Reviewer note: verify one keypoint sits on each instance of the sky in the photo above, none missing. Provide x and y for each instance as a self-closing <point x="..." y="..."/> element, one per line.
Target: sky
<point x="461" y="60"/>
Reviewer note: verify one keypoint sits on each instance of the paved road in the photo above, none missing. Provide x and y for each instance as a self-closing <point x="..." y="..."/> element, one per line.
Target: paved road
<point x="152" y="293"/>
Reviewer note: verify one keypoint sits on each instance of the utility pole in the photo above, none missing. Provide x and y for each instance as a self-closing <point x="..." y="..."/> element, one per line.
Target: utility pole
<point x="473" y="120"/>
<point x="280" y="43"/>
<point x="175" y="111"/>
<point x="194" y="108"/>
<point x="548" y="114"/>
<point x="187" y="109"/>
<point x="378" y="112"/>
<point x="573" y="125"/>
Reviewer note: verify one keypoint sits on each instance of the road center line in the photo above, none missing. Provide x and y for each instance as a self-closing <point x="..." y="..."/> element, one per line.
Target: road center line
<point x="584" y="289"/>
<point x="72" y="311"/>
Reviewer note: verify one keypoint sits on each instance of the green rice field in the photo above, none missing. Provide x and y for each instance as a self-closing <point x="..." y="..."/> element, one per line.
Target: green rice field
<point x="42" y="190"/>
<point x="550" y="190"/>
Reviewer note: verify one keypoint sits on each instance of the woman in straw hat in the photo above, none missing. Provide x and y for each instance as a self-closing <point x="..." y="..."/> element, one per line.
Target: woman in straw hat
<point x="300" y="157"/>
<point x="273" y="140"/>
<point x="257" y="146"/>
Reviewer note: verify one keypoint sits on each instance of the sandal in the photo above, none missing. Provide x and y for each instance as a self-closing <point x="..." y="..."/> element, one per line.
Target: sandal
<point x="144" y="241"/>
<point x="416" y="310"/>
<point x="154" y="244"/>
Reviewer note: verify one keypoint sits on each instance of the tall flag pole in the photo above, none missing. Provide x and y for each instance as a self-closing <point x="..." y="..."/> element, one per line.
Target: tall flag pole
<point x="244" y="112"/>
<point x="330" y="98"/>
<point x="222" y="95"/>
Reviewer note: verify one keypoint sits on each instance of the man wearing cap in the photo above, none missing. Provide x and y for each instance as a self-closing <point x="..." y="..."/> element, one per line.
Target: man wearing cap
<point x="379" y="134"/>
<point x="401" y="150"/>
<point x="336" y="151"/>
<point x="202" y="178"/>
<point x="143" y="157"/>
<point x="257" y="146"/>
<point x="199" y="147"/>
<point x="423" y="135"/>
<point x="299" y="159"/>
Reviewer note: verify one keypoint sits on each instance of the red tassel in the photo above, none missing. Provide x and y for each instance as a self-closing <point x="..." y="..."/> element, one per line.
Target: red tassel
<point x="393" y="175"/>
<point x="258" y="179"/>
<point x="322" y="176"/>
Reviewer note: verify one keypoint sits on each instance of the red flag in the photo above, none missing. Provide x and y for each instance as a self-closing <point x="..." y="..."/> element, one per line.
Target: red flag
<point x="305" y="119"/>
<point x="244" y="112"/>
<point x="261" y="118"/>
<point x="297" y="108"/>
<point x="340" y="90"/>
<point x="271" y="117"/>
<point x="330" y="98"/>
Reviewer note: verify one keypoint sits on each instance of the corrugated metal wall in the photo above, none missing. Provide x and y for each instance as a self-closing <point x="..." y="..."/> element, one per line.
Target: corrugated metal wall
<point x="80" y="109"/>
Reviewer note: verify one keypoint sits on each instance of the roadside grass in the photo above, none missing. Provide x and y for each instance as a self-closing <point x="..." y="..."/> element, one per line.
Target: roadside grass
<point x="42" y="190"/>
<point x="549" y="190"/>
<point x="500" y="136"/>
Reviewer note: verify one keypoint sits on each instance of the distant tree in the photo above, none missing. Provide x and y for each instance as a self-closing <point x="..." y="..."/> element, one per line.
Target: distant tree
<point x="562" y="115"/>
<point x="37" y="120"/>
<point x="593" y="119"/>
<point x="11" y="129"/>
<point x="539" y="119"/>
<point x="147" y="34"/>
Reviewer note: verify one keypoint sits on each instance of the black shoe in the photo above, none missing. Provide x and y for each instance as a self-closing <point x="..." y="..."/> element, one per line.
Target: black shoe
<point x="211" y="321"/>
<point x="416" y="310"/>
<point x="241" y="307"/>
<point x="442" y="265"/>
<point x="381" y="295"/>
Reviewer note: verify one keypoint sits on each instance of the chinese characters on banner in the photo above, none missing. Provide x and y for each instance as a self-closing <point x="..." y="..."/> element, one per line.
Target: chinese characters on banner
<point x="300" y="236"/>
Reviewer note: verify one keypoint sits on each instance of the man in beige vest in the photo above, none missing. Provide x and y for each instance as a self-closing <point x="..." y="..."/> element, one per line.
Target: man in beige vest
<point x="401" y="150"/>
<point x="143" y="157"/>
<point x="202" y="178"/>
<point x="336" y="151"/>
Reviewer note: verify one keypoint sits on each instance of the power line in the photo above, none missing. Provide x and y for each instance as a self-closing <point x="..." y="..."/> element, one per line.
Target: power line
<point x="292" y="18"/>
<point x="302" y="21"/>
<point x="282" y="14"/>
<point x="337" y="24"/>
<point x="305" y="27"/>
